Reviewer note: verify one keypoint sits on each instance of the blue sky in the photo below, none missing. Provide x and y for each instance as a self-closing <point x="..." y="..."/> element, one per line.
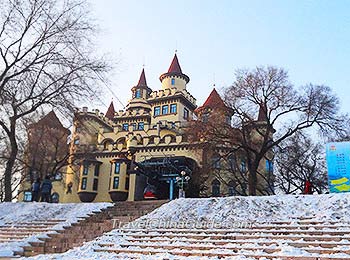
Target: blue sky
<point x="310" y="39"/>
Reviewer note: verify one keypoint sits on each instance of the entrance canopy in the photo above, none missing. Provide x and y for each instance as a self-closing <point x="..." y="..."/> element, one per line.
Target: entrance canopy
<point x="164" y="168"/>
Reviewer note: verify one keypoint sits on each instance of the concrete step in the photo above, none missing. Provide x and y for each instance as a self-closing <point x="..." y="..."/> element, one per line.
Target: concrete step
<point x="206" y="253"/>
<point x="242" y="231"/>
<point x="323" y="244"/>
<point x="239" y="237"/>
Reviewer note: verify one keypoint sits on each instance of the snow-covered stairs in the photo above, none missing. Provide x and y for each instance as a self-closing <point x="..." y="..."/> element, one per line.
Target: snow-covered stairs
<point x="88" y="228"/>
<point x="300" y="239"/>
<point x="10" y="232"/>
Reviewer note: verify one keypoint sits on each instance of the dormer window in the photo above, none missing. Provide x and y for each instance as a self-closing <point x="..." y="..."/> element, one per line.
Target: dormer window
<point x="172" y="81"/>
<point x="138" y="93"/>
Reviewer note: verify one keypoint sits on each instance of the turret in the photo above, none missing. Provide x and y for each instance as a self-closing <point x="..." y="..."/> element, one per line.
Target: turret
<point x="140" y="93"/>
<point x="214" y="103"/>
<point x="174" y="78"/>
<point x="141" y="90"/>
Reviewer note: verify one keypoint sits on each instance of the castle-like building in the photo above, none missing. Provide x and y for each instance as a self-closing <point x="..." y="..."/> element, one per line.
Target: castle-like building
<point x="120" y="154"/>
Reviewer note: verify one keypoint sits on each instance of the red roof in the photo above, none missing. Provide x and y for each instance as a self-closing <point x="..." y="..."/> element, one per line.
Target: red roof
<point x="142" y="80"/>
<point x="214" y="100"/>
<point x="175" y="66"/>
<point x="49" y="120"/>
<point x="110" y="112"/>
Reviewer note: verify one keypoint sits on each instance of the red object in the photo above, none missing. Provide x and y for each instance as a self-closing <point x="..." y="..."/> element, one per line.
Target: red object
<point x="142" y="80"/>
<point x="308" y="188"/>
<point x="149" y="195"/>
<point x="214" y="100"/>
<point x="110" y="112"/>
<point x="175" y="66"/>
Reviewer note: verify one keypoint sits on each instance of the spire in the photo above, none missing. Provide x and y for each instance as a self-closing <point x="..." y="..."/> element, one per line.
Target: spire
<point x="110" y="112"/>
<point x="175" y="66"/>
<point x="174" y="70"/>
<point x="262" y="116"/>
<point x="142" y="80"/>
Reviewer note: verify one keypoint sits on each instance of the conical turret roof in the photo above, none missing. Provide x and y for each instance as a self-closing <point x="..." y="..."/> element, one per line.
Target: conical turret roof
<point x="142" y="81"/>
<point x="175" y="70"/>
<point x="110" y="112"/>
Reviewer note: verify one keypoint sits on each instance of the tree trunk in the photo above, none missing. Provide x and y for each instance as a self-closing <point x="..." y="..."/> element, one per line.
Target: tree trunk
<point x="10" y="162"/>
<point x="252" y="180"/>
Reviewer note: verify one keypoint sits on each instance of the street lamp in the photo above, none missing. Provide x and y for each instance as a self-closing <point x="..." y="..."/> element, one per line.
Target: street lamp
<point x="181" y="179"/>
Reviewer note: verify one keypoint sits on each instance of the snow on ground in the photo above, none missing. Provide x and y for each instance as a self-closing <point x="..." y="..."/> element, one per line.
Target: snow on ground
<point x="328" y="207"/>
<point x="14" y="213"/>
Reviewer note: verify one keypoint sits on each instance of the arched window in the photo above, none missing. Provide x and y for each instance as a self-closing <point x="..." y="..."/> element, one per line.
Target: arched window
<point x="173" y="81"/>
<point x="215" y="188"/>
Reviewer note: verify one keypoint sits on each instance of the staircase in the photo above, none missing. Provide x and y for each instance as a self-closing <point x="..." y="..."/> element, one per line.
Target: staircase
<point x="300" y="239"/>
<point x="13" y="232"/>
<point x="90" y="227"/>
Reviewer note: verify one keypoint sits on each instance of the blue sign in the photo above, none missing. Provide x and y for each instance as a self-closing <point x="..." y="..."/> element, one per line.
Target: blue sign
<point x="338" y="164"/>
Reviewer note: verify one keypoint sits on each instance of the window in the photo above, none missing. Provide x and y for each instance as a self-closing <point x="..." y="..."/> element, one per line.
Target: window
<point x="231" y="188"/>
<point x="269" y="166"/>
<point x="127" y="183"/>
<point x="138" y="93"/>
<point x="231" y="162"/>
<point x="141" y="126"/>
<point x="215" y="188"/>
<point x="27" y="196"/>
<point x="83" y="183"/>
<point x="173" y="82"/>
<point x="243" y="166"/>
<point x="85" y="169"/>
<point x="117" y="168"/>
<point x="95" y="184"/>
<point x="156" y="111"/>
<point x="115" y="182"/>
<point x="134" y="126"/>
<point x="97" y="170"/>
<point x="186" y="113"/>
<point x="165" y="109"/>
<point x="125" y="127"/>
<point x="216" y="162"/>
<point x="173" y="108"/>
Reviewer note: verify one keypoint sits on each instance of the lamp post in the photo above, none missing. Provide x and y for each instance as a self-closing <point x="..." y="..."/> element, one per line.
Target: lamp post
<point x="181" y="179"/>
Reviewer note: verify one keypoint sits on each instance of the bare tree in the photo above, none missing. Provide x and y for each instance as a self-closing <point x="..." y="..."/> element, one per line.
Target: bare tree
<point x="268" y="109"/>
<point x="298" y="160"/>
<point x="46" y="61"/>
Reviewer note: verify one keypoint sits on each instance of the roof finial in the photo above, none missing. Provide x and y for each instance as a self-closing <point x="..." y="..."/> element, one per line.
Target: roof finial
<point x="214" y="80"/>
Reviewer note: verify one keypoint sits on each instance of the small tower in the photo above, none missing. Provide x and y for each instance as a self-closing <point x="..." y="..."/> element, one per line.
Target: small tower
<point x="140" y="94"/>
<point x="174" y="78"/>
<point x="141" y="90"/>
